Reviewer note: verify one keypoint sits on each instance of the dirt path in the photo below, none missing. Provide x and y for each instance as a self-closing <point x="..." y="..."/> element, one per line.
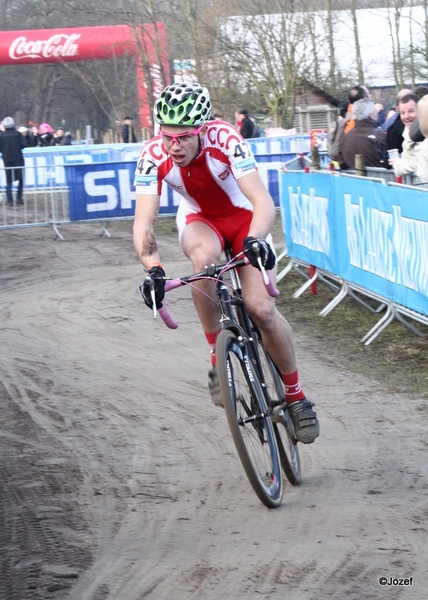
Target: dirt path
<point x="119" y="479"/>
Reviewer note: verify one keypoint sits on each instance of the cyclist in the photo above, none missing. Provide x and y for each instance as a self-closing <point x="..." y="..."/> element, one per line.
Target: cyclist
<point x="223" y="201"/>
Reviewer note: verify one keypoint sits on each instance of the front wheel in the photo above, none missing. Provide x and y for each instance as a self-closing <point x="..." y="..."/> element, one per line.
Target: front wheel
<point x="246" y="412"/>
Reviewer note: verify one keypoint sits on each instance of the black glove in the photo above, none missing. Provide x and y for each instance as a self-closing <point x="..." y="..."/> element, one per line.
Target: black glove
<point x="157" y="275"/>
<point x="267" y="255"/>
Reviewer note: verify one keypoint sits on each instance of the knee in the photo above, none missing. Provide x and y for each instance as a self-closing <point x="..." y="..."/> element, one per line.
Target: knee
<point x="262" y="312"/>
<point x="202" y="256"/>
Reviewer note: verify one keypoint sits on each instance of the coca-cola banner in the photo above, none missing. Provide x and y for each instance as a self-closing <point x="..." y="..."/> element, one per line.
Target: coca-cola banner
<point x="93" y="43"/>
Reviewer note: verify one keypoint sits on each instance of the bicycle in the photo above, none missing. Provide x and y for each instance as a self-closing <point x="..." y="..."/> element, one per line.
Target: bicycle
<point x="250" y="384"/>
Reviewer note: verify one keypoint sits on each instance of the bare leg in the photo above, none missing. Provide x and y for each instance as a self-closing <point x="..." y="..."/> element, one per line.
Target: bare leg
<point x="202" y="246"/>
<point x="279" y="342"/>
<point x="276" y="332"/>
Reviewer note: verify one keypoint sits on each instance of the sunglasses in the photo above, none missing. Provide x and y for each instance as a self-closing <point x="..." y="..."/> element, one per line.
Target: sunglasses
<point x="179" y="138"/>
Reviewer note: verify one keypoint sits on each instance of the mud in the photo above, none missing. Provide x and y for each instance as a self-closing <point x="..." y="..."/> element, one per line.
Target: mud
<point x="119" y="479"/>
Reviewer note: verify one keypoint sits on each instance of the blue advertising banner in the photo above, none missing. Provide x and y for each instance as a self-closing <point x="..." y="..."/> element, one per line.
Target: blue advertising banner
<point x="373" y="235"/>
<point x="384" y="235"/>
<point x="308" y="214"/>
<point x="106" y="191"/>
<point x="100" y="191"/>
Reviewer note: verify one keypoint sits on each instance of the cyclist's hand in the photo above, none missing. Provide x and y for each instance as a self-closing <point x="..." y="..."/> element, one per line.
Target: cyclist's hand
<point x="154" y="280"/>
<point x="265" y="252"/>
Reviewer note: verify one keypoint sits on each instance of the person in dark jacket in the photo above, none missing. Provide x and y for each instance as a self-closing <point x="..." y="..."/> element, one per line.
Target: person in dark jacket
<point x="31" y="139"/>
<point x="11" y="144"/>
<point x="128" y="134"/>
<point x="394" y="126"/>
<point x="61" y="138"/>
<point x="244" y="124"/>
<point x="365" y="138"/>
<point x="45" y="134"/>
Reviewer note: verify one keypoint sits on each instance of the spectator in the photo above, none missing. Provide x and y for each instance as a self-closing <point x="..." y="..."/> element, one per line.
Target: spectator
<point x="35" y="131"/>
<point x="415" y="132"/>
<point x="335" y="132"/>
<point x="45" y="134"/>
<point x="408" y="163"/>
<point x="365" y="138"/>
<point x="380" y="114"/>
<point x="418" y="132"/>
<point x="61" y="138"/>
<point x="32" y="141"/>
<point x="421" y="91"/>
<point x="244" y="124"/>
<point x="358" y="92"/>
<point x="128" y="134"/>
<point x="394" y="126"/>
<point x="343" y="109"/>
<point x="11" y="144"/>
<point x="392" y="112"/>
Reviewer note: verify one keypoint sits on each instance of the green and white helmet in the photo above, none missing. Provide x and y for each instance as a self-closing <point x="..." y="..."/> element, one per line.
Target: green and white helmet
<point x="182" y="104"/>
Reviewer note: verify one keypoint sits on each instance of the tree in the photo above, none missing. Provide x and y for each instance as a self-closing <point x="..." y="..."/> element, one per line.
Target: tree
<point x="266" y="54"/>
<point x="254" y="55"/>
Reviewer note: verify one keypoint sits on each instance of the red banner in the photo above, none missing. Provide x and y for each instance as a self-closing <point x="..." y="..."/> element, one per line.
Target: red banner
<point x="94" y="43"/>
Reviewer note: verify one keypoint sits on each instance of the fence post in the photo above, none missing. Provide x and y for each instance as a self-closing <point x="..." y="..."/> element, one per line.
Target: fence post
<point x="315" y="156"/>
<point x="360" y="165"/>
<point x="314" y="283"/>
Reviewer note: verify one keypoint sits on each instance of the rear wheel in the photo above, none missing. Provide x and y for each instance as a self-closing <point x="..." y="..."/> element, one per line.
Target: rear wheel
<point x="246" y="411"/>
<point x="283" y="426"/>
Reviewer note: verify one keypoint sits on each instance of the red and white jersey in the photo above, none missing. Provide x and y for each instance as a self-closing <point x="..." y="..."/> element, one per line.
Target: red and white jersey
<point x="208" y="184"/>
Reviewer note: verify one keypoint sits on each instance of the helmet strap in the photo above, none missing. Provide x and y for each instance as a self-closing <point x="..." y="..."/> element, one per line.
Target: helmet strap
<point x="199" y="150"/>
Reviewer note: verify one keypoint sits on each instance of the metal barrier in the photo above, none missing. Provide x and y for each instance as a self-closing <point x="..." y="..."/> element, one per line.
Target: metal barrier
<point x="42" y="206"/>
<point x="298" y="163"/>
<point x="391" y="309"/>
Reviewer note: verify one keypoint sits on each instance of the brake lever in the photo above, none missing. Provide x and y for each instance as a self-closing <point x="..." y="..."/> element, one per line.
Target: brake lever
<point x="148" y="280"/>
<point x="256" y="249"/>
<point x="153" y="296"/>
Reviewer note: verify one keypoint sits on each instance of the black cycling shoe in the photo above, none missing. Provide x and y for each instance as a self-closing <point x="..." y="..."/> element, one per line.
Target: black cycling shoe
<point x="214" y="387"/>
<point x="306" y="425"/>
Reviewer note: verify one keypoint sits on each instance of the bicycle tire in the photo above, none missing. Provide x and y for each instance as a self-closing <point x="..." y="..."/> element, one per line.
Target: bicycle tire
<point x="282" y="424"/>
<point x="252" y="431"/>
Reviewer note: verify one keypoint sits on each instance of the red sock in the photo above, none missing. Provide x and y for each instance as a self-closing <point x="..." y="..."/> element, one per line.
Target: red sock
<point x="211" y="339"/>
<point x="293" y="390"/>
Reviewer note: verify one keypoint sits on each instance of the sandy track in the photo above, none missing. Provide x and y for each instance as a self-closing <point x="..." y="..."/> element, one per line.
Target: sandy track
<point x="119" y="478"/>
